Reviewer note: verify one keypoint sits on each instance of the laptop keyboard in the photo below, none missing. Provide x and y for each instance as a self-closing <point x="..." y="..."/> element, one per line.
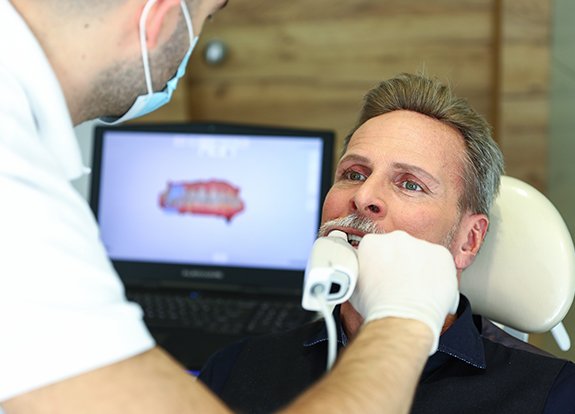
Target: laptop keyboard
<point x="231" y="316"/>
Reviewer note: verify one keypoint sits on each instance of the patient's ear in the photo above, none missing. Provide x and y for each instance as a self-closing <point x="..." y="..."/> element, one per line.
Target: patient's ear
<point x="469" y="238"/>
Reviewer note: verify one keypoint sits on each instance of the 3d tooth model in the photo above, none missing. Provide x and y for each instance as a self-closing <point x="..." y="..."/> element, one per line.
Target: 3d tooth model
<point x="211" y="197"/>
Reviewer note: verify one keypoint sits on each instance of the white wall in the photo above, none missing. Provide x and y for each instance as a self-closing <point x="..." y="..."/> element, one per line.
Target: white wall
<point x="561" y="185"/>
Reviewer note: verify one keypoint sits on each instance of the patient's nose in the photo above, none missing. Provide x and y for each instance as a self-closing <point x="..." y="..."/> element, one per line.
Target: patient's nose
<point x="368" y="201"/>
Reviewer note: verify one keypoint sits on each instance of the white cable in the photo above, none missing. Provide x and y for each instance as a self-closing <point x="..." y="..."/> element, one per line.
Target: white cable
<point x="317" y="291"/>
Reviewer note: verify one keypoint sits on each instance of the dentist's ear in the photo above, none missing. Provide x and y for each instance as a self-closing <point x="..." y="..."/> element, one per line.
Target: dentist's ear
<point x="472" y="231"/>
<point x="159" y="22"/>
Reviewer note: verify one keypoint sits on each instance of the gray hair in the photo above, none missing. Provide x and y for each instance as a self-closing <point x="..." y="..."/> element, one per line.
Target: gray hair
<point x="483" y="160"/>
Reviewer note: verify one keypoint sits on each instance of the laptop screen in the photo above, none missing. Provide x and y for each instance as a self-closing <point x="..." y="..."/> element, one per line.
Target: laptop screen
<point x="210" y="203"/>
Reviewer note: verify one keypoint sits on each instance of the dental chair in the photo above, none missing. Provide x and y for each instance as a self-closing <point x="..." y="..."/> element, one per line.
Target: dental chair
<point x="523" y="278"/>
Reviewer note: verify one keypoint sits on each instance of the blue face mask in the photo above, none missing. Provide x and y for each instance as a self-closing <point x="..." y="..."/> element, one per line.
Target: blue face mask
<point x="145" y="104"/>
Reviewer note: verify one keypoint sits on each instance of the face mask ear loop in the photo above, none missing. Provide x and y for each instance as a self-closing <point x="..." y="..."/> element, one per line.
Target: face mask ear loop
<point x="144" y="46"/>
<point x="186" y="14"/>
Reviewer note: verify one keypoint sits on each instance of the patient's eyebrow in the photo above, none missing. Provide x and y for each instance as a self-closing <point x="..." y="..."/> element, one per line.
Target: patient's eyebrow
<point x="355" y="158"/>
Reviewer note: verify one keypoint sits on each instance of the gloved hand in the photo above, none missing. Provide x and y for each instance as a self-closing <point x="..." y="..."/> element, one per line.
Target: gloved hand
<point x="405" y="277"/>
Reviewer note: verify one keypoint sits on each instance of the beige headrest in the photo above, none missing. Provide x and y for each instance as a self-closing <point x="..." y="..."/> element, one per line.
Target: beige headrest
<point x="524" y="274"/>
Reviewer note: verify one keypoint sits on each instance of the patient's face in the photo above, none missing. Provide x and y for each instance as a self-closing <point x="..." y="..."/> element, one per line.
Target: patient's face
<point x="403" y="171"/>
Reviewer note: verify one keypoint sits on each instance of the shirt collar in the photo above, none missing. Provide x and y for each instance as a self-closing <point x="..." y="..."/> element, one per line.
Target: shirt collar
<point x="462" y="340"/>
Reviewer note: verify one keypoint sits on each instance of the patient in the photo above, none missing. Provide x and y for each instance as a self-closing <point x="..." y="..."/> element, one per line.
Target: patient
<point x="419" y="160"/>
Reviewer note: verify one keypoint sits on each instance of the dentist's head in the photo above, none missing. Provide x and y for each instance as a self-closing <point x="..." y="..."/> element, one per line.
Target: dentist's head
<point x="117" y="59"/>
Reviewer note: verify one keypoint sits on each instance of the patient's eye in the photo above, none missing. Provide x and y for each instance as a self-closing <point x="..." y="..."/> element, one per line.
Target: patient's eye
<point x="353" y="175"/>
<point x="411" y="185"/>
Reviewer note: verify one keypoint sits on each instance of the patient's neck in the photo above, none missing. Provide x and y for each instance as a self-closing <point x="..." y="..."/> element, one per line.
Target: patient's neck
<point x="351" y="320"/>
<point x="448" y="322"/>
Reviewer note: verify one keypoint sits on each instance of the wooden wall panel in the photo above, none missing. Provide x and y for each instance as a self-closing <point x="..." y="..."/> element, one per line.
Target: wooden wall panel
<point x="308" y="64"/>
<point x="523" y="121"/>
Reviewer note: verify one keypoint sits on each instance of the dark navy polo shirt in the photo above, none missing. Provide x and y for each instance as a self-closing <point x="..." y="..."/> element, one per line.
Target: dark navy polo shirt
<point x="463" y="341"/>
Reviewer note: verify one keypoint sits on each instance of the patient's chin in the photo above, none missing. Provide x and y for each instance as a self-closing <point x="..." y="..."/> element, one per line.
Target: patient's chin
<point x="350" y="319"/>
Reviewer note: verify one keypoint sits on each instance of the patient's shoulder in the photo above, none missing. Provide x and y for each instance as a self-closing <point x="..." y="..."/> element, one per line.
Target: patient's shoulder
<point x="263" y="373"/>
<point x="258" y="352"/>
<point x="217" y="369"/>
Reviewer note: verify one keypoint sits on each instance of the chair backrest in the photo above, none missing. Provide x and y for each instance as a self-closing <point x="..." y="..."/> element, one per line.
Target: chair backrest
<point x="524" y="275"/>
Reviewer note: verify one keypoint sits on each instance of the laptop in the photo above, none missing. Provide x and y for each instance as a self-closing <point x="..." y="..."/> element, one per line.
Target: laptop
<point x="210" y="225"/>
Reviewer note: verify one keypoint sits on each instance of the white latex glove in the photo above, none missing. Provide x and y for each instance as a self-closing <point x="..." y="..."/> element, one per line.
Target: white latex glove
<point x="405" y="277"/>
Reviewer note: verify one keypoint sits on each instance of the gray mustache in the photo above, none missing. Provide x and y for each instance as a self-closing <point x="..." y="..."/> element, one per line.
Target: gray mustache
<point x="359" y="223"/>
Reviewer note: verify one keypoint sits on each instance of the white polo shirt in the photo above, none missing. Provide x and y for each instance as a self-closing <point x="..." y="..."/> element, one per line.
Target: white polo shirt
<point x="62" y="306"/>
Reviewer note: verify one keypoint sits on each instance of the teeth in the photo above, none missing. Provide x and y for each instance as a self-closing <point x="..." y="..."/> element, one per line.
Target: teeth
<point x="353" y="239"/>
